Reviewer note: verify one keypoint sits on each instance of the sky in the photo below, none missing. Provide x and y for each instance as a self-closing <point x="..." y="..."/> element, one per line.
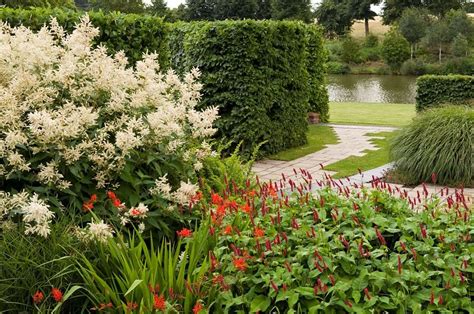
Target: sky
<point x="175" y="3"/>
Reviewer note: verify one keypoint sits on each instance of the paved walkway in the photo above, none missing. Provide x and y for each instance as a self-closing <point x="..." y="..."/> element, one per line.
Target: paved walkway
<point x="353" y="141"/>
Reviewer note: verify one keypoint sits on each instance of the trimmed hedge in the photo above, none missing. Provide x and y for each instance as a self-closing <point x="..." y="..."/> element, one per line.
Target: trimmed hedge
<point x="436" y="90"/>
<point x="132" y="33"/>
<point x="262" y="74"/>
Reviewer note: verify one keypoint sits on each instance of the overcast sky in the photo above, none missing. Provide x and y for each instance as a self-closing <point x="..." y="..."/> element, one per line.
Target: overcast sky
<point x="175" y="3"/>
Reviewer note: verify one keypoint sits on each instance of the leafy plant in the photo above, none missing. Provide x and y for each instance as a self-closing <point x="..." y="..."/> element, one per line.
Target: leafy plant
<point x="438" y="142"/>
<point x="395" y="49"/>
<point x="129" y="273"/>
<point x="281" y="249"/>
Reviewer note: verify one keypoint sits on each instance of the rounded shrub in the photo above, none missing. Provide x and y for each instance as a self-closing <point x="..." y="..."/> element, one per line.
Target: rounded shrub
<point x="413" y="67"/>
<point x="334" y="67"/>
<point x="439" y="142"/>
<point x="395" y="49"/>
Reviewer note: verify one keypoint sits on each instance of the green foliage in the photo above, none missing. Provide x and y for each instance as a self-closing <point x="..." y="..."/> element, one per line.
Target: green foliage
<point x="257" y="73"/>
<point x="395" y="49"/>
<point x="293" y="10"/>
<point x="134" y="34"/>
<point x="126" y="6"/>
<point x="360" y="253"/>
<point x="438" y="141"/>
<point x="350" y="50"/>
<point x="393" y="9"/>
<point x="38" y="3"/>
<point x="335" y="17"/>
<point x="132" y="271"/>
<point x="460" y="47"/>
<point x="29" y="264"/>
<point x="413" y="24"/>
<point x="459" y="23"/>
<point x="361" y="10"/>
<point x="334" y="67"/>
<point x="441" y="7"/>
<point x="434" y="90"/>
<point x="371" y="41"/>
<point x="413" y="67"/>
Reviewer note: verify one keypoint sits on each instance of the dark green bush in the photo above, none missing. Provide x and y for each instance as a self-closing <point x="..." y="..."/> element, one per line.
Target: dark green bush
<point x="257" y="73"/>
<point x="395" y="49"/>
<point x="132" y="33"/>
<point x="464" y="66"/>
<point x="371" y="41"/>
<point x="338" y="68"/>
<point x="438" y="141"/>
<point x="370" y="54"/>
<point x="350" y="50"/>
<point x="433" y="90"/>
<point x="413" y="67"/>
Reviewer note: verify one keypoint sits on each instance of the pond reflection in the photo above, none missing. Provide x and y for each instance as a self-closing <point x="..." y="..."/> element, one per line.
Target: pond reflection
<point x="372" y="88"/>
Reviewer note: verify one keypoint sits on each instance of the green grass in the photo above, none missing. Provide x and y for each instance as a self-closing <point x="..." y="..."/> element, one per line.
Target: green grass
<point x="371" y="114"/>
<point x="373" y="158"/>
<point x="318" y="137"/>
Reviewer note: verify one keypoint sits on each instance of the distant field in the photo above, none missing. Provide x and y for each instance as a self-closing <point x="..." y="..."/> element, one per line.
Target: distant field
<point x="375" y="27"/>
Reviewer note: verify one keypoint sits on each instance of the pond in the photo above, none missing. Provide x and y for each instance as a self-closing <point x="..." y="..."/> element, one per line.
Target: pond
<point x="372" y="88"/>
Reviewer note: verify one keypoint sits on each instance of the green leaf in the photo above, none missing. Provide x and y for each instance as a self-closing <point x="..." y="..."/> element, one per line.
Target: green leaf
<point x="260" y="303"/>
<point x="133" y="286"/>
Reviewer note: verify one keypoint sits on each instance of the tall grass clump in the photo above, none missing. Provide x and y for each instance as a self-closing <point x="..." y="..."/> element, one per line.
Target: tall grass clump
<point x="437" y="146"/>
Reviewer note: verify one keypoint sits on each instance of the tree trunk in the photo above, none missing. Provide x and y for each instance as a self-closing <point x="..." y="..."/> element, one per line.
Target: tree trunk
<point x="440" y="53"/>
<point x="366" y="26"/>
<point x="411" y="51"/>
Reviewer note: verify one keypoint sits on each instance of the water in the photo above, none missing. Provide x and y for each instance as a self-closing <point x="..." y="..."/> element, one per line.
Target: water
<point x="372" y="88"/>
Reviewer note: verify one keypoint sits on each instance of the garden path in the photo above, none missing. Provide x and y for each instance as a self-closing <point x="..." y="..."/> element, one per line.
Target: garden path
<point x="353" y="141"/>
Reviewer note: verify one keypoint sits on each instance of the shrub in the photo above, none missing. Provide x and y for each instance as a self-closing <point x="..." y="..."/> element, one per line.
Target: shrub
<point x="76" y="122"/>
<point x="350" y="50"/>
<point x="413" y="67"/>
<point x="257" y="73"/>
<point x="370" y="54"/>
<point x="30" y="264"/>
<point x="435" y="90"/>
<point x="460" y="46"/>
<point x="464" y="66"/>
<point x="352" y="251"/>
<point x="395" y="49"/>
<point x="439" y="141"/>
<point x="338" y="68"/>
<point x="134" y="34"/>
<point x="371" y="41"/>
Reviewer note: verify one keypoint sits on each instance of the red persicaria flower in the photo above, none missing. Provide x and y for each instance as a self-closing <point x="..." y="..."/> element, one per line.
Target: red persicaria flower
<point x="432" y="297"/>
<point x="367" y="294"/>
<point x="274" y="286"/>
<point x="440" y="300"/>
<point x="184" y="233"/>
<point x="240" y="263"/>
<point x="380" y="236"/>
<point x="348" y="303"/>
<point x="159" y="302"/>
<point x="197" y="307"/>
<point x="216" y="199"/>
<point x="399" y="265"/>
<point x="228" y="230"/>
<point x="132" y="306"/>
<point x="404" y="247"/>
<point x="333" y="281"/>
<point x="423" y="231"/>
<point x="258" y="232"/>
<point x="38" y="297"/>
<point x="56" y="294"/>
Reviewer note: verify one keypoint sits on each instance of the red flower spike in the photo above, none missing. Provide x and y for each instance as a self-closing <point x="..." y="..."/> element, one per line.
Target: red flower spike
<point x="159" y="302"/>
<point x="258" y="232"/>
<point x="440" y="300"/>
<point x="404" y="248"/>
<point x="274" y="286"/>
<point x="184" y="233"/>
<point x="423" y="231"/>
<point x="461" y="276"/>
<point x="413" y="251"/>
<point x="348" y="303"/>
<point x="240" y="264"/>
<point x="56" y="294"/>
<point x="131" y="306"/>
<point x="367" y="294"/>
<point x="399" y="265"/>
<point x="38" y="297"/>
<point x="464" y="263"/>
<point x="333" y="281"/>
<point x="197" y="307"/>
<point x="380" y="236"/>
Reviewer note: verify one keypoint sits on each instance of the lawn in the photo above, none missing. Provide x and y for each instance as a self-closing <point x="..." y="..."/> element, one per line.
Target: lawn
<point x="371" y="113"/>
<point x="373" y="158"/>
<point x="318" y="137"/>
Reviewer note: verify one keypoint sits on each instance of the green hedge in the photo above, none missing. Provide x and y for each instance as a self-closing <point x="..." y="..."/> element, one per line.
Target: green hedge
<point x="262" y="75"/>
<point x="132" y="33"/>
<point x="435" y="90"/>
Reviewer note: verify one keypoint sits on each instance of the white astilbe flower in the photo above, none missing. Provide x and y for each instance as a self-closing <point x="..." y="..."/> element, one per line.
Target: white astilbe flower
<point x="99" y="231"/>
<point x="185" y="193"/>
<point x="141" y="227"/>
<point x="37" y="217"/>
<point x="162" y="187"/>
<point x="138" y="212"/>
<point x="49" y="174"/>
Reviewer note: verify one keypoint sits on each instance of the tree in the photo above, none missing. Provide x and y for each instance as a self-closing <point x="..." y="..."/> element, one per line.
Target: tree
<point x="235" y="9"/>
<point x="395" y="49"/>
<point x="264" y="9"/>
<point x="413" y="25"/>
<point x="38" y="3"/>
<point x="334" y="16"/>
<point x="158" y="7"/>
<point x="441" y="7"/>
<point x="361" y="10"/>
<point x="460" y="46"/>
<point x="293" y="10"/>
<point x="438" y="35"/>
<point x="126" y="6"/>
<point x="460" y="23"/>
<point x="201" y="9"/>
<point x="393" y="9"/>
<point x="178" y="14"/>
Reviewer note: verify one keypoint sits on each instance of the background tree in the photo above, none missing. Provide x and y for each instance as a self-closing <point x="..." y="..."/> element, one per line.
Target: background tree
<point x="438" y="35"/>
<point x="334" y="16"/>
<point x="293" y="10"/>
<point x="158" y="7"/>
<point x="38" y="3"/>
<point x="235" y="9"/>
<point x="413" y="25"/>
<point x="361" y="10"/>
<point x="460" y="46"/>
<point x="393" y="9"/>
<point x="441" y="7"/>
<point x="264" y="9"/>
<point x="126" y="6"/>
<point x="178" y="14"/>
<point x="395" y="49"/>
<point x="201" y="9"/>
<point x="460" y="23"/>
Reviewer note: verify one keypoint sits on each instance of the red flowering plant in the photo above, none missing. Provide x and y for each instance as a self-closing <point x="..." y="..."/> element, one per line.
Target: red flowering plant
<point x="343" y="248"/>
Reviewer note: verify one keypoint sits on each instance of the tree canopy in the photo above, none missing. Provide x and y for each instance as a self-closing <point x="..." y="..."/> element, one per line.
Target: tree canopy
<point x="335" y="16"/>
